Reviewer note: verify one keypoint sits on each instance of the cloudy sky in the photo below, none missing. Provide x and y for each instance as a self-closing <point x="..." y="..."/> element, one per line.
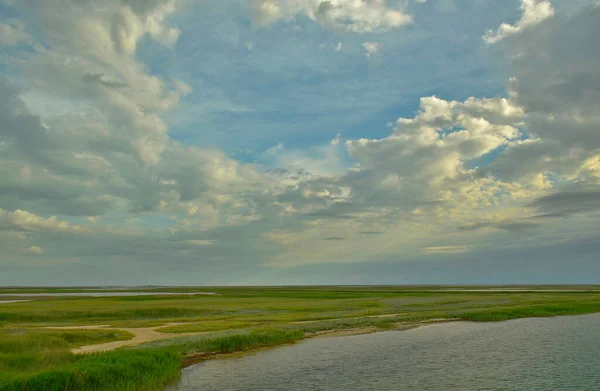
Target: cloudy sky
<point x="204" y="142"/>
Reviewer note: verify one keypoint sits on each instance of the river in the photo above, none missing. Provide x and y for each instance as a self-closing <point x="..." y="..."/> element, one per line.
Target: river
<point x="549" y="354"/>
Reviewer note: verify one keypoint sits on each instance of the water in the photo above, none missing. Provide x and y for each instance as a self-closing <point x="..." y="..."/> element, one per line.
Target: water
<point x="548" y="354"/>
<point x="101" y="294"/>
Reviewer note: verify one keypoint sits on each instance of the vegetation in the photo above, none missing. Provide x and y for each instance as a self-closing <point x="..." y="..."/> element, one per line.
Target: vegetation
<point x="35" y="357"/>
<point x="127" y="370"/>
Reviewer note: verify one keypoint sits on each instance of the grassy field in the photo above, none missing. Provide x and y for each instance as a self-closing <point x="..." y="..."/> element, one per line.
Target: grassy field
<point x="35" y="357"/>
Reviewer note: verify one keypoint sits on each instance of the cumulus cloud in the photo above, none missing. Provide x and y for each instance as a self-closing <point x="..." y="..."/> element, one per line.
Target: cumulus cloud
<point x="497" y="163"/>
<point x="556" y="81"/>
<point x="362" y="16"/>
<point x="443" y="136"/>
<point x="455" y="172"/>
<point x="532" y="12"/>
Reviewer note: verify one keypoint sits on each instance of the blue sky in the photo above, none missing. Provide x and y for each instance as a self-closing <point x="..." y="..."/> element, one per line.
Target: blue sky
<point x="286" y="83"/>
<point x="297" y="142"/>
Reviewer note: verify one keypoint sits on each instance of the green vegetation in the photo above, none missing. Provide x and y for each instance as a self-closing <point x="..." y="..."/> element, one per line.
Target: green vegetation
<point x="209" y="325"/>
<point x="127" y="370"/>
<point x="33" y="357"/>
<point x="237" y="342"/>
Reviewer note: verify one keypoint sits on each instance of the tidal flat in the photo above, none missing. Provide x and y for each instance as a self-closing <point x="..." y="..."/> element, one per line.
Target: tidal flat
<point x="140" y="342"/>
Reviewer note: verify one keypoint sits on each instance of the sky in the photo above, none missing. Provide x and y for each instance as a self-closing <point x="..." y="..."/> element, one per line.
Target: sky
<point x="277" y="142"/>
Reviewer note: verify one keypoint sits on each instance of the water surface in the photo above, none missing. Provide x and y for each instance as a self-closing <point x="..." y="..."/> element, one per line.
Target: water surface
<point x="549" y="354"/>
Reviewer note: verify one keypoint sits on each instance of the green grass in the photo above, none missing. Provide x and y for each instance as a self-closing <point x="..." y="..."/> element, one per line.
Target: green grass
<point x="238" y="342"/>
<point x="209" y="325"/>
<point x="125" y="370"/>
<point x="238" y="319"/>
<point x="557" y="309"/>
<point x="26" y="350"/>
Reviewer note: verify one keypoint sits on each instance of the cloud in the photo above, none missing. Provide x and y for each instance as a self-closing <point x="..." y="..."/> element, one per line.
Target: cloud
<point x="371" y="48"/>
<point x="557" y="84"/>
<point x="364" y="16"/>
<point x="264" y="12"/>
<point x="34" y="250"/>
<point x="533" y="12"/>
<point x="323" y="160"/>
<point x="13" y="32"/>
<point x="95" y="176"/>
<point x="575" y="199"/>
<point x="443" y="136"/>
<point x="25" y="221"/>
<point x="442" y="250"/>
<point x="513" y="226"/>
<point x="200" y="242"/>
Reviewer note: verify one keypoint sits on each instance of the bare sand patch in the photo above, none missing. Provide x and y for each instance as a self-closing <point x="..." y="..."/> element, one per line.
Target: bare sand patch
<point x="140" y="335"/>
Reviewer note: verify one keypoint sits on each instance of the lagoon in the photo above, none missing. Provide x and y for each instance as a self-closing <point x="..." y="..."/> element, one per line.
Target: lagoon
<point x="535" y="354"/>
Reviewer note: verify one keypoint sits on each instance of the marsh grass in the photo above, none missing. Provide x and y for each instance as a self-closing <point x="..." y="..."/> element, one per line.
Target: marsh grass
<point x="125" y="370"/>
<point x="558" y="309"/>
<point x="26" y="350"/>
<point x="238" y="319"/>
<point x="236" y="342"/>
<point x="209" y="325"/>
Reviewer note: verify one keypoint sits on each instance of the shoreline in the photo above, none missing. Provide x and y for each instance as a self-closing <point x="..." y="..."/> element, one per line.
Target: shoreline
<point x="198" y="357"/>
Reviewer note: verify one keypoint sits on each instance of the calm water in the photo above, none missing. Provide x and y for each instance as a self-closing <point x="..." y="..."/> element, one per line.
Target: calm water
<point x="546" y="354"/>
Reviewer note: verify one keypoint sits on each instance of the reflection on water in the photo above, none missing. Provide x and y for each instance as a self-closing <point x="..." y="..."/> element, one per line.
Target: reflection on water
<point x="548" y="354"/>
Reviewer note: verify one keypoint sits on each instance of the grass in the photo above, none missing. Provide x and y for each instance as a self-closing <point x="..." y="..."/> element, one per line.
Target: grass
<point x="237" y="319"/>
<point x="254" y="339"/>
<point x="27" y="350"/>
<point x="126" y="370"/>
<point x="209" y="325"/>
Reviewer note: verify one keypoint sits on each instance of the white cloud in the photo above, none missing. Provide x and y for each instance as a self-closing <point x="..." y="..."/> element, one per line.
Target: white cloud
<point x="182" y="87"/>
<point x="101" y="151"/>
<point x="371" y="49"/>
<point x="264" y="12"/>
<point x="533" y="12"/>
<point x="436" y="144"/>
<point x="319" y="161"/>
<point x="26" y="221"/>
<point x="358" y="16"/>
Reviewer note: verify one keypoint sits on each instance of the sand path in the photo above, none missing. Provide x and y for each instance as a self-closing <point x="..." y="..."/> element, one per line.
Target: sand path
<point x="140" y="335"/>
